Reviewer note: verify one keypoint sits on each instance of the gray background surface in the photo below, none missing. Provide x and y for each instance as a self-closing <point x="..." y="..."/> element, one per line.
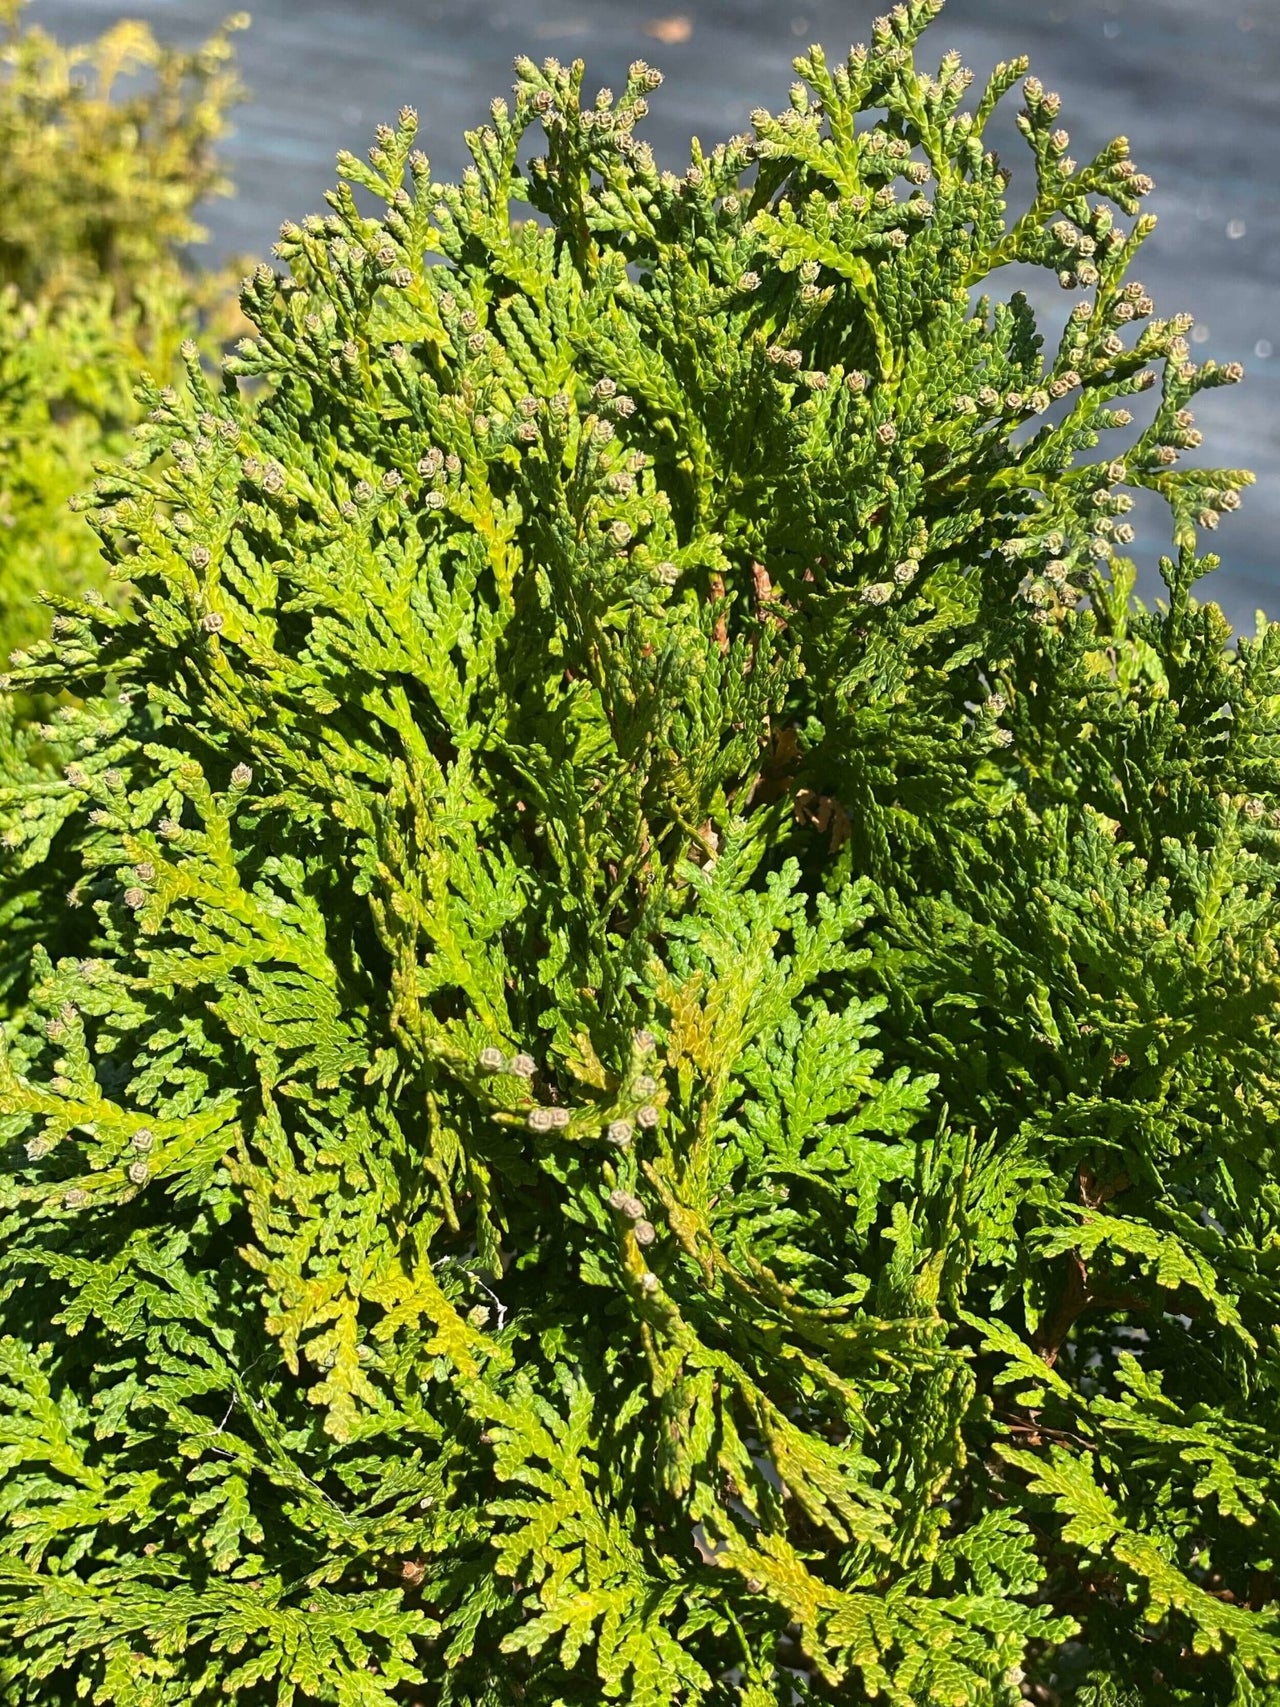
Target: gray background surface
<point x="1192" y="83"/>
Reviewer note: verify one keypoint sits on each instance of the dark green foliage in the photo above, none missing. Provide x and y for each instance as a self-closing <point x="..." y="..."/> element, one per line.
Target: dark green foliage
<point x="640" y="1057"/>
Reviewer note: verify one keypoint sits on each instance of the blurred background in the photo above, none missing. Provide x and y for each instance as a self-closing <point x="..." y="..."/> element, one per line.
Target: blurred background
<point x="1193" y="83"/>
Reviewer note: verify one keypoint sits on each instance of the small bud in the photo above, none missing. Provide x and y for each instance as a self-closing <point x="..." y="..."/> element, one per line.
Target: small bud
<point x="524" y="1066"/>
<point x="878" y="593"/>
<point x="645" y="1232"/>
<point x="145" y="872"/>
<point x="649" y="1282"/>
<point x="143" y="1139"/>
<point x="619" y="1132"/>
<point x="645" y="1042"/>
<point x="75" y="1198"/>
<point x="539" y="1120"/>
<point x="492" y="1060"/>
<point x="139" y="1172"/>
<point x="886" y="432"/>
<point x="559" y="1118"/>
<point x="135" y="898"/>
<point x="648" y="1115"/>
<point x="1233" y="373"/>
<point x="212" y="622"/>
<point x="200" y="556"/>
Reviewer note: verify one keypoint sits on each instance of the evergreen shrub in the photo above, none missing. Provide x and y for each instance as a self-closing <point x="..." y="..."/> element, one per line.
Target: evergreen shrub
<point x="97" y="192"/>
<point x="640" y="1047"/>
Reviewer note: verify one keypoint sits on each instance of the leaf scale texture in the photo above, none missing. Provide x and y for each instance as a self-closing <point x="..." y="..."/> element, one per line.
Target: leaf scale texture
<point x="638" y="1002"/>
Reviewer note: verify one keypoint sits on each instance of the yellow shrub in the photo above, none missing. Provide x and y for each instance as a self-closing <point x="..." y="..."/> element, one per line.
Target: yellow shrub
<point x="98" y="187"/>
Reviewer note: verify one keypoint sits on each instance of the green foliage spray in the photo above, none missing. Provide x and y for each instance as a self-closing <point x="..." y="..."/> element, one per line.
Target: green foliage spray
<point x="640" y="1048"/>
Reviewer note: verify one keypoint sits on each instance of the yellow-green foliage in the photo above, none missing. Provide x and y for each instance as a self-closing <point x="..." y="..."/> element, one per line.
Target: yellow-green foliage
<point x="639" y="1002"/>
<point x="96" y="199"/>
<point x="66" y="377"/>
<point x="94" y="185"/>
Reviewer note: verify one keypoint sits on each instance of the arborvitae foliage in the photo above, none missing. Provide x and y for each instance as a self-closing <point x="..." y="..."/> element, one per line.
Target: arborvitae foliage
<point x="640" y="1050"/>
<point x="97" y="190"/>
